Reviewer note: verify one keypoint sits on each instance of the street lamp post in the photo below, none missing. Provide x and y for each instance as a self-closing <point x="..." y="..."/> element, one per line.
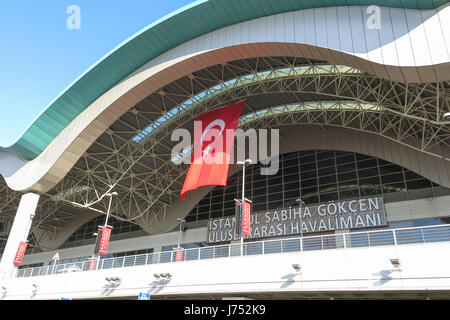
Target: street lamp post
<point x="179" y="232"/>
<point x="178" y="252"/>
<point x="110" y="196"/>
<point x="243" y="197"/>
<point x="300" y="202"/>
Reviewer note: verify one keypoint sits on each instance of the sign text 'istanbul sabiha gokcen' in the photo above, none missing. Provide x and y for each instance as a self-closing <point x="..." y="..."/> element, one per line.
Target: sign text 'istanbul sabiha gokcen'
<point x="341" y="215"/>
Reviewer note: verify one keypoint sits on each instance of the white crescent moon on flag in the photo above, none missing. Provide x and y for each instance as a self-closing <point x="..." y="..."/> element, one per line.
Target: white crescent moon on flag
<point x="217" y="122"/>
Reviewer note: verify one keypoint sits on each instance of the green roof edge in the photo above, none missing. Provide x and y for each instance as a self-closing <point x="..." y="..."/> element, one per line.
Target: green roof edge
<point x="90" y="85"/>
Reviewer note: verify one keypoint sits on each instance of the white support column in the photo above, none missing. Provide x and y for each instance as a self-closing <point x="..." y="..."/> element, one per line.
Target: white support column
<point x="19" y="232"/>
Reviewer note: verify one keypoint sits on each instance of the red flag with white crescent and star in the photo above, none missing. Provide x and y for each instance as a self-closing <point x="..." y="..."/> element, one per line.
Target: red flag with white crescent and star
<point x="213" y="140"/>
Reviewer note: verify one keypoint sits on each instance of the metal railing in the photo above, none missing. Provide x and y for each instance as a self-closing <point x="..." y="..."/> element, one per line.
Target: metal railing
<point x="386" y="237"/>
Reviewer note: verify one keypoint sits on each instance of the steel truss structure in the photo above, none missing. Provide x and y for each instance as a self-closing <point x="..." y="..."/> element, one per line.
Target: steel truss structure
<point x="133" y="157"/>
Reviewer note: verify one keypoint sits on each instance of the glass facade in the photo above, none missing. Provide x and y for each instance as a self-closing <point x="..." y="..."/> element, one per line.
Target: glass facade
<point x="316" y="176"/>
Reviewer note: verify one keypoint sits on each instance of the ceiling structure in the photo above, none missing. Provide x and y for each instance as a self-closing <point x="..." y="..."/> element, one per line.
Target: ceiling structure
<point x="133" y="157"/>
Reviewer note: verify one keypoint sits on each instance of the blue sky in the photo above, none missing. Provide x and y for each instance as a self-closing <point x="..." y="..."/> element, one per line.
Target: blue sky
<point x="40" y="56"/>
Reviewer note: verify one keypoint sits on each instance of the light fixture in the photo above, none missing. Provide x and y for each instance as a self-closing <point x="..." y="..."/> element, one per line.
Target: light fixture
<point x="113" y="281"/>
<point x="244" y="162"/>
<point x="297" y="267"/>
<point x="166" y="276"/>
<point x="396" y="264"/>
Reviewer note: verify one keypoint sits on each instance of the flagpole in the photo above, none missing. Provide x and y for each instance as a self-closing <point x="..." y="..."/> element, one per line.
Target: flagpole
<point x="243" y="197"/>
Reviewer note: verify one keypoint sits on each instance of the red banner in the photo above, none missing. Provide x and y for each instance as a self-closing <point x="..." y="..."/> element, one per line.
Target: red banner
<point x="246" y="219"/>
<point x="238" y="219"/>
<point x="213" y="139"/>
<point x="92" y="264"/>
<point x="104" y="241"/>
<point x="20" y="253"/>
<point x="179" y="255"/>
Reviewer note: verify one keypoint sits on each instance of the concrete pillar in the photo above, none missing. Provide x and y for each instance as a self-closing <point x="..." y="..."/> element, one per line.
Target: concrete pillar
<point x="19" y="232"/>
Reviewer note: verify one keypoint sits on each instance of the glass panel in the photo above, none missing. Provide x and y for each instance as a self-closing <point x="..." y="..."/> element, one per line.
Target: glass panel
<point x="357" y="240"/>
<point x="51" y="269"/>
<point x="165" y="257"/>
<point x="86" y="266"/>
<point x="43" y="271"/>
<point x="436" y="234"/>
<point x="272" y="247"/>
<point x="59" y="268"/>
<point x="107" y="263"/>
<point x="409" y="236"/>
<point x="192" y="254"/>
<point x="129" y="261"/>
<point x="290" y="245"/>
<point x="140" y="260"/>
<point x="253" y="248"/>
<point x="206" y="253"/>
<point x="79" y="265"/>
<point x="235" y="250"/>
<point x="35" y="272"/>
<point x="313" y="243"/>
<point x="329" y="242"/>
<point x="221" y="251"/>
<point x="383" y="238"/>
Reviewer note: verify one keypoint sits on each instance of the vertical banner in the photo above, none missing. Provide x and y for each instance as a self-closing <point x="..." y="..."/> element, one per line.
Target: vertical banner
<point x="104" y="240"/>
<point x="179" y="255"/>
<point x="98" y="240"/>
<point x="237" y="216"/>
<point x="92" y="264"/>
<point x="20" y="253"/>
<point x="246" y="218"/>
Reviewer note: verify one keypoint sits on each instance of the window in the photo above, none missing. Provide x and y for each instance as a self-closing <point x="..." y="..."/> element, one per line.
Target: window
<point x="316" y="176"/>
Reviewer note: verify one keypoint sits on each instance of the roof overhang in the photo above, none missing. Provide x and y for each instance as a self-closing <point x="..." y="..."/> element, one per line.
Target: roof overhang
<point x="205" y="17"/>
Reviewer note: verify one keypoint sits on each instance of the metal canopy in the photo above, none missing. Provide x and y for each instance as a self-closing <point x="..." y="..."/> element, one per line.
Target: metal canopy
<point x="157" y="38"/>
<point x="133" y="157"/>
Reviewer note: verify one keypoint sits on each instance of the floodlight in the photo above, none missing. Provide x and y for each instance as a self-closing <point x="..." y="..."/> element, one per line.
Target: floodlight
<point x="395" y="262"/>
<point x="297" y="267"/>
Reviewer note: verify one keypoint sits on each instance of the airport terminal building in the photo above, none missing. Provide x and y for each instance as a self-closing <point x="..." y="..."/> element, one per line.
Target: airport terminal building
<point x="359" y="207"/>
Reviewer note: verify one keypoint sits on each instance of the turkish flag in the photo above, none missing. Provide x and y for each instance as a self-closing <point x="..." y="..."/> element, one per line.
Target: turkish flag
<point x="213" y="139"/>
